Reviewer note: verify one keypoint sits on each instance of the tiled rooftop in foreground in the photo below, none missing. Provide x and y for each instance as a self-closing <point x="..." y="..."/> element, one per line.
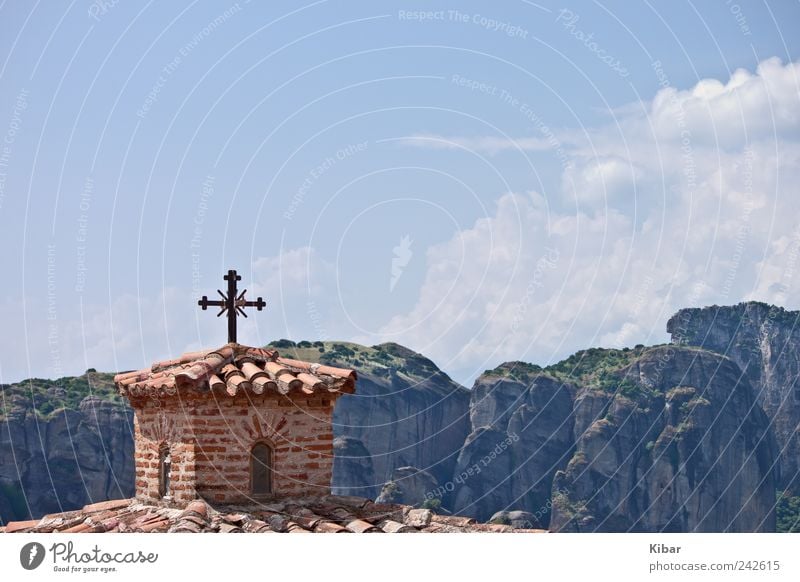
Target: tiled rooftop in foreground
<point x="233" y="424"/>
<point x="232" y="369"/>
<point x="328" y="514"/>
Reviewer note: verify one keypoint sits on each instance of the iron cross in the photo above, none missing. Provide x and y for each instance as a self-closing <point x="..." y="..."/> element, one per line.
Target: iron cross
<point x="232" y="303"/>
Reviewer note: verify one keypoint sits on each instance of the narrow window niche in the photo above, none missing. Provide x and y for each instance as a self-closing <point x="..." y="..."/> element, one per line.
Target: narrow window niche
<point x="261" y="469"/>
<point x="164" y="470"/>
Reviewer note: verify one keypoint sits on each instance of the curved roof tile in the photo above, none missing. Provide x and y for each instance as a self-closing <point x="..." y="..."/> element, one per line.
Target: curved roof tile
<point x="232" y="369"/>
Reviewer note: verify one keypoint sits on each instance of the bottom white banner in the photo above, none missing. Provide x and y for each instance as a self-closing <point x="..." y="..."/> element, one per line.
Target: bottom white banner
<point x="400" y="556"/>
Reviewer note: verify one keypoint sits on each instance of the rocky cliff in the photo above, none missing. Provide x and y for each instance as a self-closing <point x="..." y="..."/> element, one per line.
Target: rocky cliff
<point x="406" y="414"/>
<point x="764" y="341"/>
<point x="68" y="442"/>
<point x="645" y="439"/>
<point x="667" y="438"/>
<point x="673" y="441"/>
<point x="63" y="443"/>
<point x="520" y="433"/>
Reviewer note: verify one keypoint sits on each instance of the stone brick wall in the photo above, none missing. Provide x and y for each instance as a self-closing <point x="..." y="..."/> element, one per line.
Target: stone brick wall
<point x="210" y="438"/>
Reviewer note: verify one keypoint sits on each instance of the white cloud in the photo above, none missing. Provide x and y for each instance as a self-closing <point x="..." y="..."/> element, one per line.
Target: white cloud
<point x="299" y="288"/>
<point x="751" y="106"/>
<point x="601" y="179"/>
<point x="294" y="270"/>
<point x="490" y="145"/>
<point x="715" y="222"/>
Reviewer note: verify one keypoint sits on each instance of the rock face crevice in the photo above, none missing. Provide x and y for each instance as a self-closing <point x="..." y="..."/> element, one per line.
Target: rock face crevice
<point x="407" y="413"/>
<point x="68" y="459"/>
<point x="521" y="434"/>
<point x="352" y="469"/>
<point x="764" y="341"/>
<point x="683" y="437"/>
<point x="686" y="447"/>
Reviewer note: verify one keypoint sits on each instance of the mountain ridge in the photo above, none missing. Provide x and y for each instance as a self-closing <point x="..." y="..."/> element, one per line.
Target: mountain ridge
<point x="413" y="435"/>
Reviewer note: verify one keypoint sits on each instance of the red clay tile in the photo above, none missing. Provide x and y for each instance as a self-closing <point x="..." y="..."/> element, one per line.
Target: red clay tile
<point x="235" y="368"/>
<point x="285" y="514"/>
<point x="361" y="526"/>
<point x="106" y="505"/>
<point x="15" y="526"/>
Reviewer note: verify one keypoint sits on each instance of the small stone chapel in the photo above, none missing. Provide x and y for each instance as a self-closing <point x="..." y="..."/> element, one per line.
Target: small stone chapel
<point x="236" y="424"/>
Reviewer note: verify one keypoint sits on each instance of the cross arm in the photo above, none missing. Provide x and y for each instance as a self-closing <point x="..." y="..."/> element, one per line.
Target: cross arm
<point x="258" y="303"/>
<point x="205" y="303"/>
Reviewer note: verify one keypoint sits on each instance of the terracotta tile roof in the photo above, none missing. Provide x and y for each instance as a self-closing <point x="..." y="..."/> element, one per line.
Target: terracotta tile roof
<point x="329" y="514"/>
<point x="234" y="368"/>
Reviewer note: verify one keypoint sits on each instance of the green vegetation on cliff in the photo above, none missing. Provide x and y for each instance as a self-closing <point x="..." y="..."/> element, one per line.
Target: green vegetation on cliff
<point x="591" y="367"/>
<point x="601" y="369"/>
<point x="381" y="361"/>
<point x="597" y="368"/>
<point x="44" y="397"/>
<point x="519" y="371"/>
<point x="17" y="507"/>
<point x="787" y="512"/>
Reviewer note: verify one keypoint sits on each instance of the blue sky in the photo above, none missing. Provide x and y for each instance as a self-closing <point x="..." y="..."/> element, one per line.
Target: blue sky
<point x="480" y="182"/>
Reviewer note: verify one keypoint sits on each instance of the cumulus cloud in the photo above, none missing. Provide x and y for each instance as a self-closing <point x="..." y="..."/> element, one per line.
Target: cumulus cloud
<point x="299" y="287"/>
<point x="713" y="172"/>
<point x="749" y="106"/>
<point x="600" y="179"/>
<point x="689" y="199"/>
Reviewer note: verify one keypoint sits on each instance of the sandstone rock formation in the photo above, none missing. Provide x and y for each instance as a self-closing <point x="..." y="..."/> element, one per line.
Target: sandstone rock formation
<point x="406" y="412"/>
<point x="54" y="458"/>
<point x="409" y="486"/>
<point x="517" y="519"/>
<point x="667" y="438"/>
<point x="764" y="341"/>
<point x="352" y="469"/>
<point x="521" y="434"/>
<point x="680" y="444"/>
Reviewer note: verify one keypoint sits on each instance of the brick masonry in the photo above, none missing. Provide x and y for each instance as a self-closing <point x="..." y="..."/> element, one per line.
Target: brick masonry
<point x="210" y="438"/>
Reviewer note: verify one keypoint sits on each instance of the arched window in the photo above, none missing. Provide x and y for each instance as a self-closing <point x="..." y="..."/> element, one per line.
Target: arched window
<point x="261" y="469"/>
<point x="164" y="470"/>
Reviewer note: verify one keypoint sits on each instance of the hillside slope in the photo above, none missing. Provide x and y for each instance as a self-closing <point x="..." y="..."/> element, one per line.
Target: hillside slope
<point x="663" y="438"/>
<point x="764" y="341"/>
<point x="63" y="443"/>
<point x="406" y="413"/>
